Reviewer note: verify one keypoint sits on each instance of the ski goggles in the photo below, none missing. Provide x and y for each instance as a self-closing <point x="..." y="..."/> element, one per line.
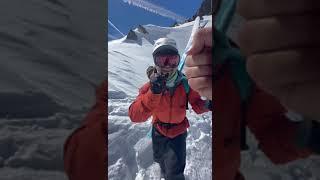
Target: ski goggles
<point x="167" y="60"/>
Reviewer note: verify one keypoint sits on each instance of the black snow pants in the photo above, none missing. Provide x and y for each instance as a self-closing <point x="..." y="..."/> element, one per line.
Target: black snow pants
<point x="170" y="154"/>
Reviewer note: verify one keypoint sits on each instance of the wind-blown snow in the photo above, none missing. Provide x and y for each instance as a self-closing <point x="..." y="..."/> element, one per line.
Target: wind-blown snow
<point x="129" y="147"/>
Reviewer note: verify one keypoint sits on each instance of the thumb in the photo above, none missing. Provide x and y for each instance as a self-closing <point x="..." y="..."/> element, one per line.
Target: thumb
<point x="201" y="39"/>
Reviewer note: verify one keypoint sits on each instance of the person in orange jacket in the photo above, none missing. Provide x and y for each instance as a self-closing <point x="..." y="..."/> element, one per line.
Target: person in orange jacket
<point x="165" y="98"/>
<point x="85" y="150"/>
<point x="281" y="139"/>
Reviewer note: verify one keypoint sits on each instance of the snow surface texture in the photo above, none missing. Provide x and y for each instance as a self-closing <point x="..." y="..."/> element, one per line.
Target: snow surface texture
<point x="32" y="149"/>
<point x="255" y="165"/>
<point x="129" y="147"/>
<point x="50" y="62"/>
<point x="45" y="50"/>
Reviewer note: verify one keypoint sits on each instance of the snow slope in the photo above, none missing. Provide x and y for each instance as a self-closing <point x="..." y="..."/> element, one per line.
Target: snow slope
<point x="51" y="58"/>
<point x="129" y="147"/>
<point x="44" y="50"/>
<point x="32" y="149"/>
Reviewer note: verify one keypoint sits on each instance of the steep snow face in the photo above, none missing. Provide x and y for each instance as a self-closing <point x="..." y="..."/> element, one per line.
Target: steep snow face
<point x="51" y="48"/>
<point x="129" y="147"/>
<point x="128" y="59"/>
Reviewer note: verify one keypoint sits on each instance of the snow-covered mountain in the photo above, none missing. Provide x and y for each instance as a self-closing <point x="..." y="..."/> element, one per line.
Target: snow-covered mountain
<point x="128" y="59"/>
<point x="129" y="147"/>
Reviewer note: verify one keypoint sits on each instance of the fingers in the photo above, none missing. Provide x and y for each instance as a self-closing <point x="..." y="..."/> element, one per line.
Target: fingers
<point x="303" y="98"/>
<point x="200" y="82"/>
<point x="204" y="58"/>
<point x="292" y="66"/>
<point x="278" y="33"/>
<point x="155" y="76"/>
<point x="201" y="39"/>
<point x="203" y="85"/>
<point x="199" y="63"/>
<point x="292" y="76"/>
<point x="150" y="71"/>
<point x="281" y="42"/>
<point x="198" y="71"/>
<point x="199" y="68"/>
<point x="251" y="9"/>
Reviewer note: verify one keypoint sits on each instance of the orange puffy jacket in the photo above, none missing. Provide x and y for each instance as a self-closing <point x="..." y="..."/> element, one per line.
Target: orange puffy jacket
<point x="265" y="118"/>
<point x="166" y="108"/>
<point x="85" y="150"/>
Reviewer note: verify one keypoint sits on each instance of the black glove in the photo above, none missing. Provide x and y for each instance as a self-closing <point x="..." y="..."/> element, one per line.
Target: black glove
<point x="158" y="84"/>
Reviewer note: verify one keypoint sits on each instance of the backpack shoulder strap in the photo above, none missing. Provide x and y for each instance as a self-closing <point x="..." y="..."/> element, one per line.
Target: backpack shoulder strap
<point x="244" y="85"/>
<point x="226" y="52"/>
<point x="186" y="87"/>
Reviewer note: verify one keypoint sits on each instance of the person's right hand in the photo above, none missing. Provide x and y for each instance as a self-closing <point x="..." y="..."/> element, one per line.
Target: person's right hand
<point x="281" y="40"/>
<point x="158" y="83"/>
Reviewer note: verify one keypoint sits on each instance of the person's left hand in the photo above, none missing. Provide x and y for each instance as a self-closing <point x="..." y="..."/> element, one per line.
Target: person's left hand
<point x="199" y="63"/>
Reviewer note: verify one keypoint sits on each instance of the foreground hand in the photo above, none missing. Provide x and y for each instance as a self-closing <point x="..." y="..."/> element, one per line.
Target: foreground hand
<point x="199" y="63"/>
<point x="282" y="43"/>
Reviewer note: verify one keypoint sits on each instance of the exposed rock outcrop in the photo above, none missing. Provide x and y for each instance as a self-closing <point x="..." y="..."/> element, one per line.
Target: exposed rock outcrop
<point x="142" y="29"/>
<point x="132" y="35"/>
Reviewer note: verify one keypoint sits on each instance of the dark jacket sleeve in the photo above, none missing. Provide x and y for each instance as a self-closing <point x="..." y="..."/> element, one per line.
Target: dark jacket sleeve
<point x="275" y="133"/>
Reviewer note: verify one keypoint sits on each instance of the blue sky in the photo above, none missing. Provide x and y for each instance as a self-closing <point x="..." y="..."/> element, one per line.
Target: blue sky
<point x="126" y="14"/>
